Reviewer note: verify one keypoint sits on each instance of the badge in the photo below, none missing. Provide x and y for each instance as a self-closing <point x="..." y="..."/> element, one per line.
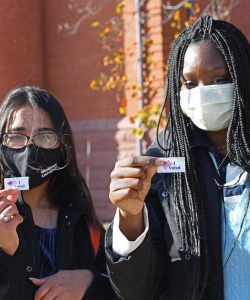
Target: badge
<point x="22" y="183"/>
<point x="172" y="165"/>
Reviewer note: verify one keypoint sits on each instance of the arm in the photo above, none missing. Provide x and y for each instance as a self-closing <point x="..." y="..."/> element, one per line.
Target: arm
<point x="120" y="244"/>
<point x="137" y="275"/>
<point x="9" y="240"/>
<point x="85" y="280"/>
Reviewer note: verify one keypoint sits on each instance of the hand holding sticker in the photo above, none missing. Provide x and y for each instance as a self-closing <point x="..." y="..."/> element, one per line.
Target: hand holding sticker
<point x="9" y="220"/>
<point x="130" y="183"/>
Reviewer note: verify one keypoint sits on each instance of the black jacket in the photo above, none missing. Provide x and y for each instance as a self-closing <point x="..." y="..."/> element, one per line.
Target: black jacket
<point x="159" y="268"/>
<point x="74" y="251"/>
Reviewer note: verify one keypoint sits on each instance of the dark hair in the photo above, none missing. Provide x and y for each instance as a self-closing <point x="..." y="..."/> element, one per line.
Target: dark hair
<point x="67" y="182"/>
<point x="234" y="47"/>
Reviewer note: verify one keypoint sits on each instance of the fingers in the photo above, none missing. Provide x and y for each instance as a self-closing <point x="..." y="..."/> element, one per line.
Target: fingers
<point x="59" y="298"/>
<point x="53" y="294"/>
<point x="130" y="182"/>
<point x="139" y="161"/>
<point x="9" y="208"/>
<point x="9" y="212"/>
<point x="133" y="173"/>
<point x="135" y="184"/>
<point x="150" y="172"/>
<point x="128" y="172"/>
<point x="143" y="167"/>
<point x="4" y="204"/>
<point x="44" y="288"/>
<point x="14" y="221"/>
<point x="123" y="194"/>
<point x="37" y="281"/>
<point x="11" y="194"/>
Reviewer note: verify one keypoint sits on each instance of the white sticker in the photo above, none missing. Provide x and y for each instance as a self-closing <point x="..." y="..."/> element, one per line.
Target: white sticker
<point x="22" y="183"/>
<point x="172" y="165"/>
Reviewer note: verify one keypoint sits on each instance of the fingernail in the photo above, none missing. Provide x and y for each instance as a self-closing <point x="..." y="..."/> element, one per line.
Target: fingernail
<point x="151" y="161"/>
<point x="159" y="162"/>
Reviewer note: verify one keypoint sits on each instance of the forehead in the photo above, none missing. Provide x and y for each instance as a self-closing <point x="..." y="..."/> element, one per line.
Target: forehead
<point x="203" y="56"/>
<point x="29" y="118"/>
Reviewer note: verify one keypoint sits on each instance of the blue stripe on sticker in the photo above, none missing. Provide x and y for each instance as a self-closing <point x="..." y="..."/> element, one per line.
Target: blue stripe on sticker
<point x="233" y="191"/>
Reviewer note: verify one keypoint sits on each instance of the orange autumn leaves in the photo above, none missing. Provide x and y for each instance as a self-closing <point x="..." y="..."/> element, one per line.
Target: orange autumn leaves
<point x="113" y="77"/>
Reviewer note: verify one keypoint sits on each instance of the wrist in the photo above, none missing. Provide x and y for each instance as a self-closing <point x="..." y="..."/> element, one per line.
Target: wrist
<point x="9" y="249"/>
<point x="132" y="226"/>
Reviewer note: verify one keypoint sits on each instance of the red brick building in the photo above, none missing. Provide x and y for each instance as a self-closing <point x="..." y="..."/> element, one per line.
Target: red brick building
<point x="34" y="52"/>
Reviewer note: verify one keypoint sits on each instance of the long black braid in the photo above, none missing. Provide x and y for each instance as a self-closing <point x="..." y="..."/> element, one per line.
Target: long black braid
<point x="234" y="47"/>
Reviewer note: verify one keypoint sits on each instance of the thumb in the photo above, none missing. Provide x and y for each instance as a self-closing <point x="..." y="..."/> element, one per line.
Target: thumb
<point x="38" y="281"/>
<point x="18" y="219"/>
<point x="150" y="172"/>
<point x="13" y="194"/>
<point x="151" y="169"/>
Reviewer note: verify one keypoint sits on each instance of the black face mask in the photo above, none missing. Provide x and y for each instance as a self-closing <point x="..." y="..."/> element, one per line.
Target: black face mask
<point x="37" y="163"/>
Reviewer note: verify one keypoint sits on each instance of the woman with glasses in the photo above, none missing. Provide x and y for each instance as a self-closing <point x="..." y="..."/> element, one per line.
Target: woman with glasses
<point x="51" y="242"/>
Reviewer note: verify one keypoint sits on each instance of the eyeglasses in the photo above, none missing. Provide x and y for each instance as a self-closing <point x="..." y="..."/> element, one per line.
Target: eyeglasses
<point x="47" y="140"/>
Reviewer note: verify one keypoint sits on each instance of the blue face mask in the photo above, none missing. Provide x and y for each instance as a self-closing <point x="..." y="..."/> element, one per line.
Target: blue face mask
<point x="37" y="163"/>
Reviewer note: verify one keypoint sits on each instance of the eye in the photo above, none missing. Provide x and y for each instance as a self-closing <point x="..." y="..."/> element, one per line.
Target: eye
<point x="14" y="140"/>
<point x="189" y="84"/>
<point x="46" y="139"/>
<point x="220" y="80"/>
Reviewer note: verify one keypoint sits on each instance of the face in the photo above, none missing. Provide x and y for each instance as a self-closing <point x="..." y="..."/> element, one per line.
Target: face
<point x="203" y="65"/>
<point x="32" y="124"/>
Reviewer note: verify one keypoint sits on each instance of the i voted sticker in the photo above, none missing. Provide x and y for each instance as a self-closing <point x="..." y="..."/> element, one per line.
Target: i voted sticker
<point x="172" y="165"/>
<point x="22" y="183"/>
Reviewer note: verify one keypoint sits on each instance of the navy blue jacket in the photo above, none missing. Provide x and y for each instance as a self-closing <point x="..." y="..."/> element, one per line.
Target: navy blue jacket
<point x="159" y="268"/>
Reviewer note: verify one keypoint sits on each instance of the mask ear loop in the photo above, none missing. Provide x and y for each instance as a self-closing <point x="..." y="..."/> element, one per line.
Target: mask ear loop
<point x="59" y="168"/>
<point x="68" y="156"/>
<point x="68" y="159"/>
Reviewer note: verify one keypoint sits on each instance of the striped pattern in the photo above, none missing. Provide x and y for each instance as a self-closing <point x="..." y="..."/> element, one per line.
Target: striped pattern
<point x="47" y="243"/>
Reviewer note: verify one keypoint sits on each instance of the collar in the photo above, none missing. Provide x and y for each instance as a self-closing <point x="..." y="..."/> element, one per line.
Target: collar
<point x="198" y="139"/>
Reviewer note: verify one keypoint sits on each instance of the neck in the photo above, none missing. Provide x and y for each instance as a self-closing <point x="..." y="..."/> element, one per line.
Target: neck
<point x="38" y="196"/>
<point x="217" y="138"/>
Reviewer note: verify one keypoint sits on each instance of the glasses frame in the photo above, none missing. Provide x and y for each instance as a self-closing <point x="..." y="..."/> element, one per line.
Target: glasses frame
<point x="30" y="138"/>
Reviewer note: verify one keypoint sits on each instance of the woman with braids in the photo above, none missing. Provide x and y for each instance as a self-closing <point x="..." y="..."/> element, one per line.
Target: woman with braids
<point x="51" y="242"/>
<point x="191" y="239"/>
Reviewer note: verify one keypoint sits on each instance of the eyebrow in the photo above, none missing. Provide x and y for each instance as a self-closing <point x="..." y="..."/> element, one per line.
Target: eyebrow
<point x="19" y="129"/>
<point x="219" y="68"/>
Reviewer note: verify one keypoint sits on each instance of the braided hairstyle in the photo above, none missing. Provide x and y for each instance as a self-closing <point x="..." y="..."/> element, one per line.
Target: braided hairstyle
<point x="234" y="48"/>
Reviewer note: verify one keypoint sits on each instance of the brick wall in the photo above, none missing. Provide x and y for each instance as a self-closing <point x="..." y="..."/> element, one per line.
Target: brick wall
<point x="33" y="52"/>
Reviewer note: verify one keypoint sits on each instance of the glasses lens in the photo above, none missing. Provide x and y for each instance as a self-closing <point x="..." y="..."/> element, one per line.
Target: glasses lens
<point x="14" y="140"/>
<point x="46" y="140"/>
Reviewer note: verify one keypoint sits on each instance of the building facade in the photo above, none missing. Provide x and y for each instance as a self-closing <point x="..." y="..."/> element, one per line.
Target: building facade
<point x="34" y="51"/>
